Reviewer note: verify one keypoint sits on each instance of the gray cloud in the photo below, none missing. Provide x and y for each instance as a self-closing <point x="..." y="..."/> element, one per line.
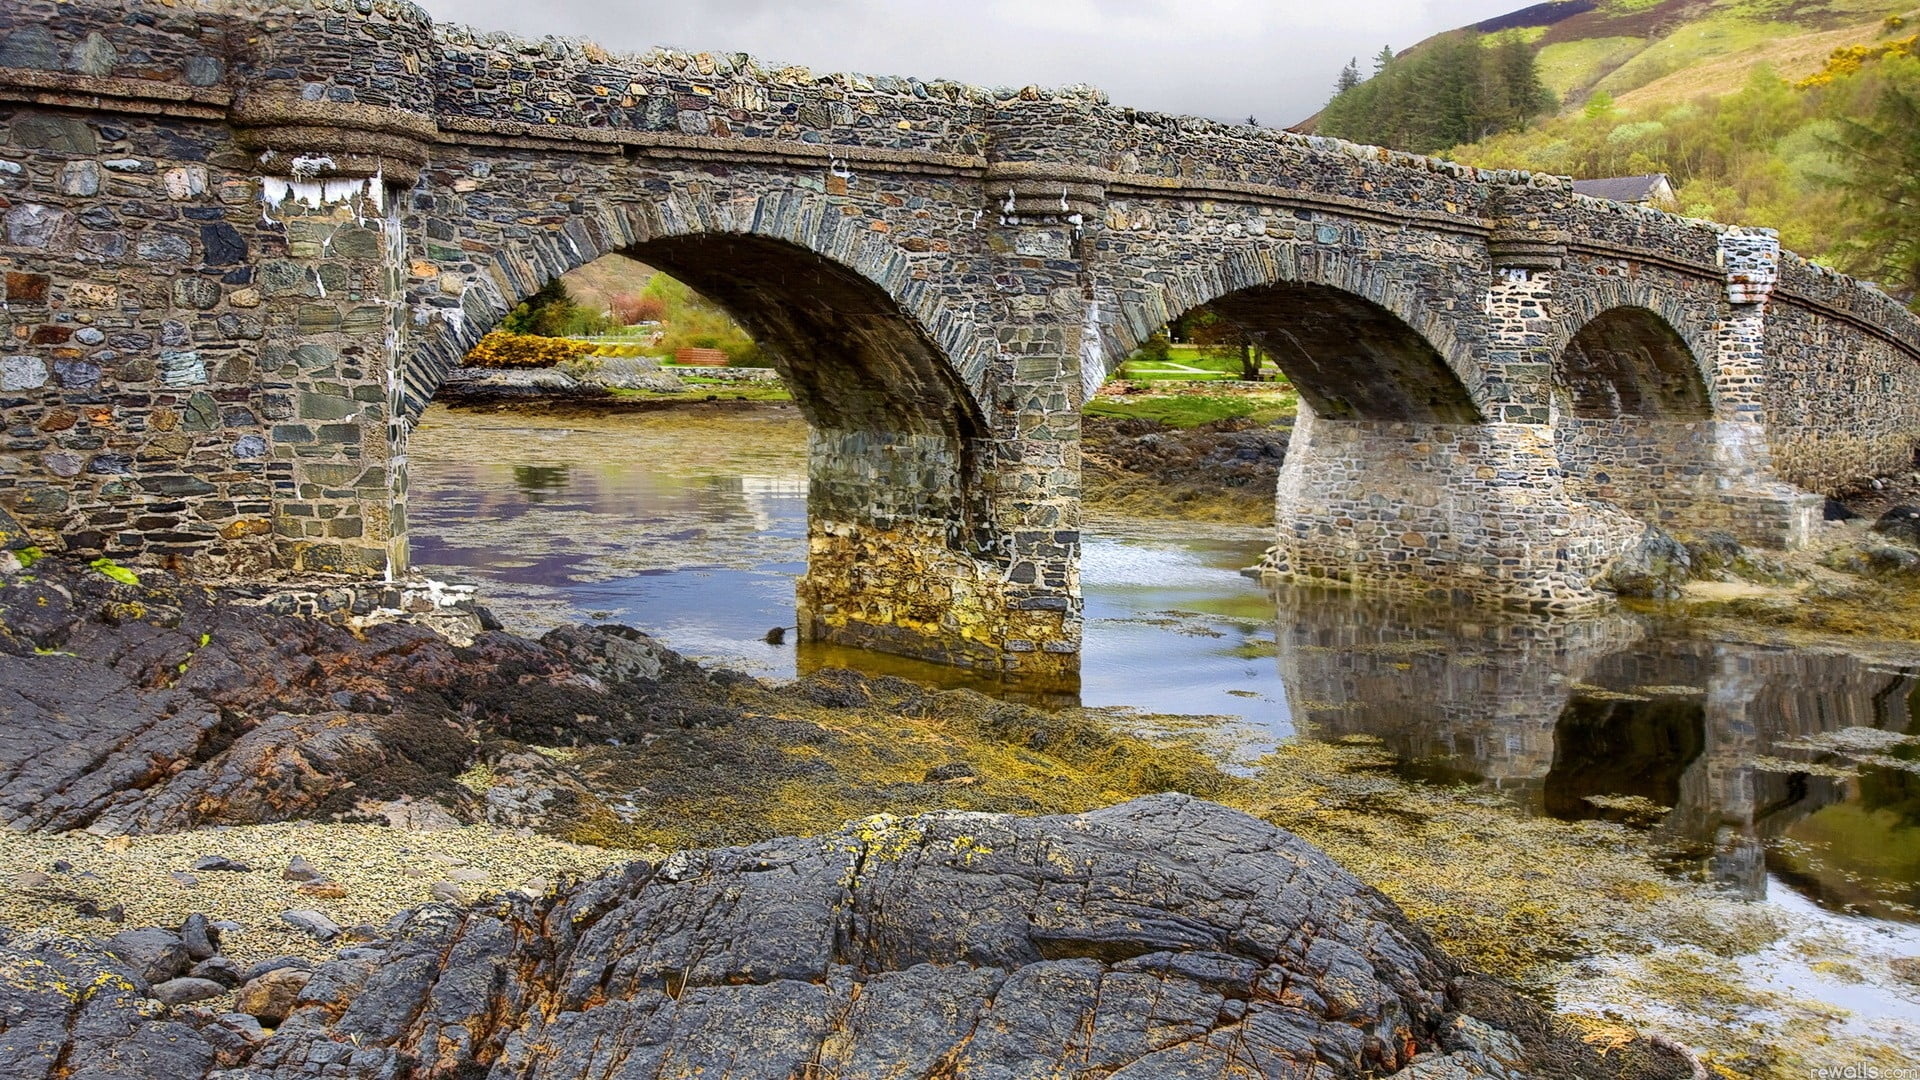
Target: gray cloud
<point x="1275" y="60"/>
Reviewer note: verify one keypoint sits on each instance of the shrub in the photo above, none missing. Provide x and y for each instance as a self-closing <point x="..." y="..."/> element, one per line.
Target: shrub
<point x="631" y="308"/>
<point x="500" y="349"/>
<point x="1155" y="349"/>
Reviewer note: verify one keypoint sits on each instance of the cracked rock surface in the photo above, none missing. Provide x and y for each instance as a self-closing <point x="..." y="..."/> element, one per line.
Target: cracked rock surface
<point x="1164" y="938"/>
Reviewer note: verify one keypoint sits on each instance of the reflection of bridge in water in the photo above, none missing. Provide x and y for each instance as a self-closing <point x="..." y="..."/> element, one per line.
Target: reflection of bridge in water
<point x="1559" y="713"/>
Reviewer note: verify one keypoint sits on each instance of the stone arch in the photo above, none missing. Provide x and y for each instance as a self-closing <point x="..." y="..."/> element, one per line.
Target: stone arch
<point x="1629" y="349"/>
<point x="819" y="279"/>
<point x="1357" y="344"/>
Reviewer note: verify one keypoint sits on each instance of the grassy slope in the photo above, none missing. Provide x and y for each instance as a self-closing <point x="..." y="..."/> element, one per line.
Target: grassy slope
<point x="1792" y="56"/>
<point x="1676" y="49"/>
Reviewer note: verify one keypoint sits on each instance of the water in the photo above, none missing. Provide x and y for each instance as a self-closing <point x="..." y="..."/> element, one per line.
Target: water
<point x="1762" y="768"/>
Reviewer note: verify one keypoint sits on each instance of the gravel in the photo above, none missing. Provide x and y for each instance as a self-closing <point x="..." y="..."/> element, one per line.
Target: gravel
<point x="133" y="875"/>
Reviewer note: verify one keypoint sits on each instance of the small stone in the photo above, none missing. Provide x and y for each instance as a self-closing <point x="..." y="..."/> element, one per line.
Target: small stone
<point x="311" y="923"/>
<point x="324" y="890"/>
<point x="32" y="225"/>
<point x="183" y="878"/>
<point x="31" y="46"/>
<point x="60" y="134"/>
<point x="156" y="955"/>
<point x="80" y="178"/>
<point x="466" y="875"/>
<point x="186" y="990"/>
<point x="217" y="969"/>
<point x="221" y="862"/>
<point x="186" y="182"/>
<point x="164" y="247"/>
<point x="32" y="879"/>
<point x="22" y="373"/>
<point x="199" y="937"/>
<point x="192" y="291"/>
<point x="448" y="893"/>
<point x="223" y="245"/>
<point x="272" y="995"/>
<point x="299" y="869"/>
<point x="94" y="56"/>
<point x="1907" y="968"/>
<point x="89" y="335"/>
<point x="27" y="289"/>
<point x="204" y="70"/>
<point x="182" y="368"/>
<point x="950" y="773"/>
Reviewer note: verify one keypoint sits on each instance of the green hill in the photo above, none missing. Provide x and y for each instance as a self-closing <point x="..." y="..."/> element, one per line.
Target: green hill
<point x="1759" y="111"/>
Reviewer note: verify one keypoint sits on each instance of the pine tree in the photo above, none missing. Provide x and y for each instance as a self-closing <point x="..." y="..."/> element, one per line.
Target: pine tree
<point x="1883" y="188"/>
<point x="1382" y="59"/>
<point x="544" y="313"/>
<point x="1349" y="77"/>
<point x="1454" y="90"/>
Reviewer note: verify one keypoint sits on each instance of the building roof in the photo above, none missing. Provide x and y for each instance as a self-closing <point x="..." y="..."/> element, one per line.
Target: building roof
<point x="1626" y="189"/>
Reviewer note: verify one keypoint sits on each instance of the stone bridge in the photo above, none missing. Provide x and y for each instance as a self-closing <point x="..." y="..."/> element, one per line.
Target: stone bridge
<point x="243" y="242"/>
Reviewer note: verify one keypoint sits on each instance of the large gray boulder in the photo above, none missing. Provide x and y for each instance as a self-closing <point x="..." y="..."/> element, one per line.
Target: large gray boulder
<point x="1163" y="939"/>
<point x="1656" y="567"/>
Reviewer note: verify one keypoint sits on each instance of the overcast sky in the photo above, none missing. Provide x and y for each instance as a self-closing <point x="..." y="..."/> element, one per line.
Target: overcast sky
<point x="1229" y="59"/>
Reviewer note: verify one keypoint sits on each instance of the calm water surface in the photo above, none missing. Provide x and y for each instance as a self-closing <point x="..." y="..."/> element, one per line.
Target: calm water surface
<point x="1762" y="766"/>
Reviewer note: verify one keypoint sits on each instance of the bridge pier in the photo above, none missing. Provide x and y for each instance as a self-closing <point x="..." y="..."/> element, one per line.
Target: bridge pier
<point x="910" y="552"/>
<point x="1472" y="513"/>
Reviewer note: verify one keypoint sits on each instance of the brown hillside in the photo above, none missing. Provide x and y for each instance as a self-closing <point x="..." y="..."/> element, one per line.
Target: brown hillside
<point x="594" y="285"/>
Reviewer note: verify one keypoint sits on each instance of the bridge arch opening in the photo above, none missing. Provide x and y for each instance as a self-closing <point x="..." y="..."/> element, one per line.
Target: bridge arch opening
<point x="902" y="551"/>
<point x="1630" y="362"/>
<point x="1349" y="357"/>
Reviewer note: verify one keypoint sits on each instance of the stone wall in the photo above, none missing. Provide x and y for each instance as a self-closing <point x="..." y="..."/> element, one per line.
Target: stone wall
<point x="244" y="242"/>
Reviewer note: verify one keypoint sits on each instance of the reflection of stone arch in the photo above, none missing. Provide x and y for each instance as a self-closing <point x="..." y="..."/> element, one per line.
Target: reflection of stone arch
<point x="830" y="278"/>
<point x="1627" y="349"/>
<point x="1357" y="343"/>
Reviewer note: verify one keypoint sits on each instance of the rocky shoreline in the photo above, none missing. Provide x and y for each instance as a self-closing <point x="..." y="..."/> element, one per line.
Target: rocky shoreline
<point x="1183" y="938"/>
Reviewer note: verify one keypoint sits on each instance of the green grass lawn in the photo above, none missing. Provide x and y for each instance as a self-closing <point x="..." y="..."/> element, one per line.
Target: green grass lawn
<point x="1184" y="363"/>
<point x="1192" y="410"/>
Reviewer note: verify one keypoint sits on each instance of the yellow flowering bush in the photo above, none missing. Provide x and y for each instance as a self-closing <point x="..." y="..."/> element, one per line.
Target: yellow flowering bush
<point x="1844" y="62"/>
<point x="503" y="350"/>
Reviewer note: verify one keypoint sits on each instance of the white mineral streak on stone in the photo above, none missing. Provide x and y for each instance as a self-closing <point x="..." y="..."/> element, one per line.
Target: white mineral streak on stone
<point x="314" y="194"/>
<point x="1093" y="368"/>
<point x="308" y="166"/>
